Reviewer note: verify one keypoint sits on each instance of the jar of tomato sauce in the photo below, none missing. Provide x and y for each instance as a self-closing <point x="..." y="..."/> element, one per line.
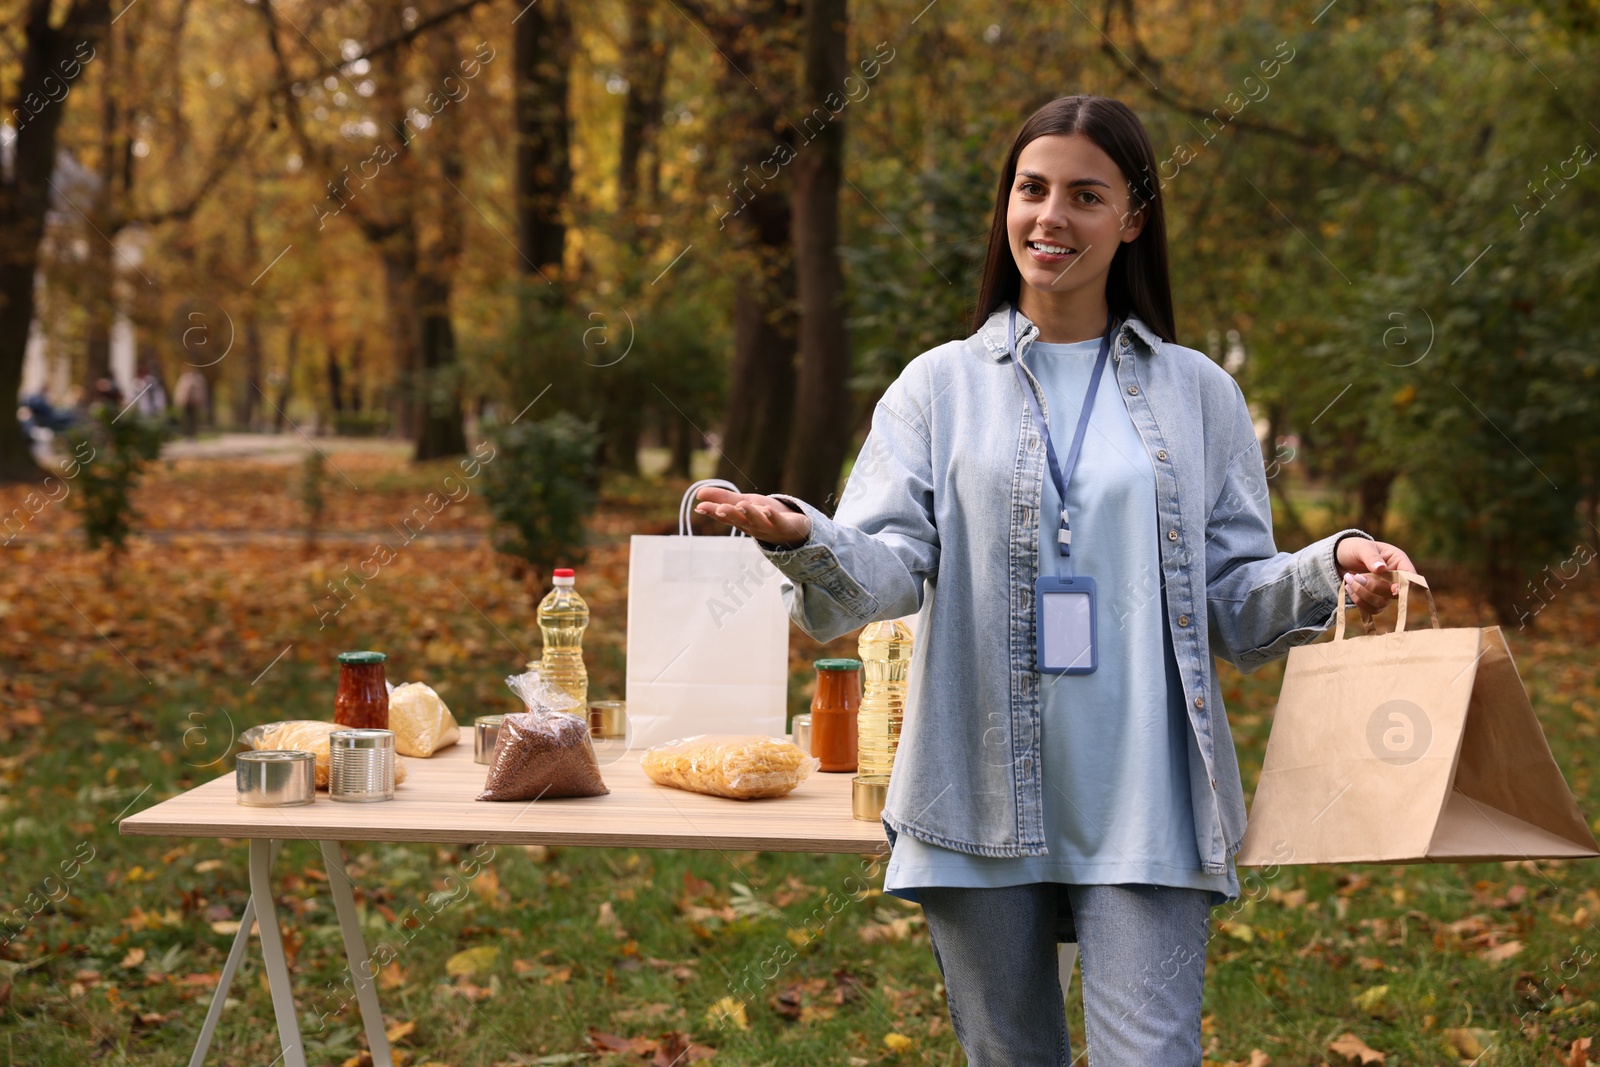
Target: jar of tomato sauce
<point x="833" y="713"/>
<point x="362" y="702"/>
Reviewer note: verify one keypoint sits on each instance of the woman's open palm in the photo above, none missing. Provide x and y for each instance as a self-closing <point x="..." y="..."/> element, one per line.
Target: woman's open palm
<point x="761" y="517"/>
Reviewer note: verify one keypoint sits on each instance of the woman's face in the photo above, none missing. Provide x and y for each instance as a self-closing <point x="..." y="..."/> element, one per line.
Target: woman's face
<point x="1069" y="210"/>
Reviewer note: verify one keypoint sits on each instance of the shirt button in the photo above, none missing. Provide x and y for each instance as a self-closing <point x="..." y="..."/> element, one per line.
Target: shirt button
<point x="1161" y="454"/>
<point x="1133" y="390"/>
<point x="1183" y="620"/>
<point x="1172" y="535"/>
<point x="1213" y="783"/>
<point x="1199" y="702"/>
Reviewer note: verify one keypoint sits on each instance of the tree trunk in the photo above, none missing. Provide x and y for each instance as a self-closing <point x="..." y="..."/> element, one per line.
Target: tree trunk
<point x="683" y="444"/>
<point x="248" y="398"/>
<point x="57" y="53"/>
<point x="820" y="434"/>
<point x="399" y="256"/>
<point x="99" y="296"/>
<point x="543" y="53"/>
<point x="440" y="429"/>
<point x="98" y="307"/>
<point x="764" y="327"/>
<point x="1373" y="494"/>
<point x="758" y="219"/>
<point x="247" y="395"/>
<point x="621" y="439"/>
<point x="290" y="357"/>
<point x="335" y="384"/>
<point x="644" y="64"/>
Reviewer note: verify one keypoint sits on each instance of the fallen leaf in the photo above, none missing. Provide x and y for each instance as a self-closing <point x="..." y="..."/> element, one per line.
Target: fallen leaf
<point x="639" y="1046"/>
<point x="696" y="888"/>
<point x="1469" y="1043"/>
<point x="787" y="1003"/>
<point x="400" y="1031"/>
<point x="847" y="987"/>
<point x="471" y="961"/>
<point x="148" y="1020"/>
<point x="896" y="1043"/>
<point x="1370" y="1000"/>
<point x="134" y="957"/>
<point x="1578" y="1053"/>
<point x="1289" y="898"/>
<point x="533" y="971"/>
<point x="1241" y="931"/>
<point x="1351" y="1049"/>
<point x="475" y="993"/>
<point x="675" y="1049"/>
<point x="1501" y="953"/>
<point x="729" y="1009"/>
<point x="207" y="866"/>
<point x="391" y="976"/>
<point x="1257" y="1057"/>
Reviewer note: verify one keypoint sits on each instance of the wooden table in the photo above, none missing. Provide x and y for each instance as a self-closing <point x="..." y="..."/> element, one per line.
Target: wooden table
<point x="436" y="803"/>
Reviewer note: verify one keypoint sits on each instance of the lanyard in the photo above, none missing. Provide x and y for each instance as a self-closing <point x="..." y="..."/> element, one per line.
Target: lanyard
<point x="1062" y="477"/>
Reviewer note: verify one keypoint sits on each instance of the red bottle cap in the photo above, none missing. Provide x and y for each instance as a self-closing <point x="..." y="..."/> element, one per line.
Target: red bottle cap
<point x="564" y="572"/>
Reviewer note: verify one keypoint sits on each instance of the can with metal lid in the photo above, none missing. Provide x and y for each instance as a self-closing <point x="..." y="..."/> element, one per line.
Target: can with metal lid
<point x="485" y="732"/>
<point x="361" y="765"/>
<point x="867" y="794"/>
<point x="274" y="778"/>
<point x="608" y="718"/>
<point x="800" y="732"/>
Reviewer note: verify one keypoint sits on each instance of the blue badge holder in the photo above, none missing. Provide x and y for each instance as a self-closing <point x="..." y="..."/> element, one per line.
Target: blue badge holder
<point x="1065" y="623"/>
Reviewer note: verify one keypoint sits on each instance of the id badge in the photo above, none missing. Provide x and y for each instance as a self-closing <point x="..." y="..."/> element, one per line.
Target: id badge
<point x="1064" y="614"/>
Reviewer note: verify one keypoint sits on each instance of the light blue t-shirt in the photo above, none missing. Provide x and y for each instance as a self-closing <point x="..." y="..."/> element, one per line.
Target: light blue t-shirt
<point x="1115" y="743"/>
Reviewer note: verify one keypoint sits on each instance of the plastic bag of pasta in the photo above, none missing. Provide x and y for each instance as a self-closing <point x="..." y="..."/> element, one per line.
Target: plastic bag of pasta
<point x="742" y="767"/>
<point x="421" y="723"/>
<point x="306" y="735"/>
<point x="545" y="752"/>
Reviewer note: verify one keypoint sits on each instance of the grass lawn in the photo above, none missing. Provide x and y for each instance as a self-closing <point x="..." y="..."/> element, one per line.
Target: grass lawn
<point x="113" y="699"/>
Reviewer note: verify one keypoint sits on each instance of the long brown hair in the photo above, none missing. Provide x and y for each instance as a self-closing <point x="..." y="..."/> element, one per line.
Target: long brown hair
<point x="1137" y="283"/>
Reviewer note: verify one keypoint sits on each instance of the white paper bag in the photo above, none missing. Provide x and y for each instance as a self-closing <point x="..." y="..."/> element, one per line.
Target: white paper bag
<point x="708" y="636"/>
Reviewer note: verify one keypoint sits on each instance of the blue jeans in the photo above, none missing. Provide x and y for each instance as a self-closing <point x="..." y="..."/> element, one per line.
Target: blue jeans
<point x="1141" y="951"/>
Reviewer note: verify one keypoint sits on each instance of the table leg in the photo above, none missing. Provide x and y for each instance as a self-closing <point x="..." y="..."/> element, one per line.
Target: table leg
<point x="294" y="1054"/>
<point x="355" y="951"/>
<point x="241" y="942"/>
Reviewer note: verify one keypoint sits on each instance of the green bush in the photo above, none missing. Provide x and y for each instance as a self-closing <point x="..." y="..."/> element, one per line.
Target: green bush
<point x="540" y="487"/>
<point x="122" y="447"/>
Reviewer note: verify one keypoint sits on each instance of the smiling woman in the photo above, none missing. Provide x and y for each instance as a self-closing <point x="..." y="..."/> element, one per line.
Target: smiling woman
<point x="1065" y="770"/>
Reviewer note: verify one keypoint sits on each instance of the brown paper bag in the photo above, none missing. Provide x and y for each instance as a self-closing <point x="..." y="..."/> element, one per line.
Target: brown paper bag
<point x="1409" y="747"/>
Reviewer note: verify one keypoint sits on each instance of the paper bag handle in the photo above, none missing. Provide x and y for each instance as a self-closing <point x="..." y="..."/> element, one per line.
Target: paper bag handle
<point x="1407" y="579"/>
<point x="686" y="505"/>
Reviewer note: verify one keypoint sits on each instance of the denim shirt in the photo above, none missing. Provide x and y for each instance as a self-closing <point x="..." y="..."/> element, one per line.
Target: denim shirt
<point x="940" y="517"/>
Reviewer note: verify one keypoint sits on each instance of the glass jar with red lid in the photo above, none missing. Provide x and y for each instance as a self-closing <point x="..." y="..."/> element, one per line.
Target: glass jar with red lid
<point x="362" y="702"/>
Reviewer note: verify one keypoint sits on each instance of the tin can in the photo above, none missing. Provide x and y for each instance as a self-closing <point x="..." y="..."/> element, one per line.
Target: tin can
<point x="867" y="795"/>
<point x="274" y="778"/>
<point x="361" y="765"/>
<point x="485" y="732"/>
<point x="608" y="718"/>
<point x="801" y="733"/>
